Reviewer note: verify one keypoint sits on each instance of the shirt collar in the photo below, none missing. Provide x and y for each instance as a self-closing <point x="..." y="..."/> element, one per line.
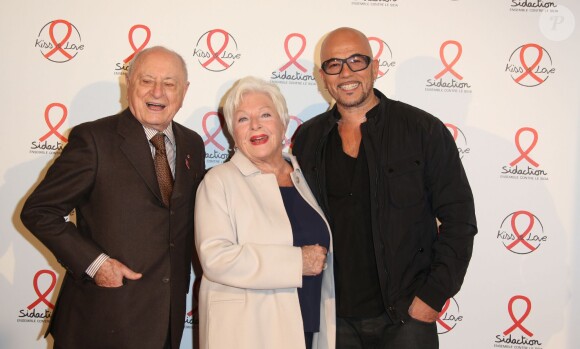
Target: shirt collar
<point x="168" y="132"/>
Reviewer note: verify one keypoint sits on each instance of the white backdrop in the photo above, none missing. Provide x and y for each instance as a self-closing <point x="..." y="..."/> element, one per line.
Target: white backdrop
<point x="502" y="74"/>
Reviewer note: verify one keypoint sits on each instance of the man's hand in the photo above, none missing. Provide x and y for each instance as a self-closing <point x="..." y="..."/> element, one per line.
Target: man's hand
<point x="112" y="272"/>
<point x="419" y="310"/>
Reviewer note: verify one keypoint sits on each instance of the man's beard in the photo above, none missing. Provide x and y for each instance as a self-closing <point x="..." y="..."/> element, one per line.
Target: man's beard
<point x="355" y="103"/>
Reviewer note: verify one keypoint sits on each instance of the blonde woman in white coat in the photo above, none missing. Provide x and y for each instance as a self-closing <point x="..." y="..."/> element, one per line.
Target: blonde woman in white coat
<point x="263" y="241"/>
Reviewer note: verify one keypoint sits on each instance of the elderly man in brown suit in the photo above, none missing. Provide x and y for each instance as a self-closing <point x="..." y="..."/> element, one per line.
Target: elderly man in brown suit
<point x="132" y="179"/>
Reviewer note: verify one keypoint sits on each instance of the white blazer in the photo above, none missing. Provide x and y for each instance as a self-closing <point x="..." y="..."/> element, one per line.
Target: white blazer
<point x="248" y="296"/>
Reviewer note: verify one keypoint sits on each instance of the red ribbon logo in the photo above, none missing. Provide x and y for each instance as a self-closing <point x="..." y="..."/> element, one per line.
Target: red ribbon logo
<point x="520" y="237"/>
<point x="58" y="45"/>
<point x="42" y="295"/>
<point x="524" y="153"/>
<point x="518" y="322"/>
<point x="298" y="122"/>
<point x="449" y="66"/>
<point x="454" y="131"/>
<point x="379" y="52"/>
<point x="528" y="70"/>
<point x="54" y="129"/>
<point x="294" y="59"/>
<point x="195" y="297"/>
<point x="442" y="313"/>
<point x="211" y="138"/>
<point x="132" y="42"/>
<point x="215" y="55"/>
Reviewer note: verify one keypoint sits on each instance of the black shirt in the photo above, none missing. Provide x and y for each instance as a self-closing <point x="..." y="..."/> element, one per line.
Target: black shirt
<point x="358" y="291"/>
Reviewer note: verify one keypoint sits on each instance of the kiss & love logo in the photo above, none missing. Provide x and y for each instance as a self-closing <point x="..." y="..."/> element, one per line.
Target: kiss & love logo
<point x="59" y="41"/>
<point x="460" y="139"/>
<point x="530" y="65"/>
<point x="521" y="232"/>
<point x="449" y="317"/>
<point x="449" y="79"/>
<point x="216" y="50"/>
<point x="42" y="146"/>
<point x="383" y="54"/>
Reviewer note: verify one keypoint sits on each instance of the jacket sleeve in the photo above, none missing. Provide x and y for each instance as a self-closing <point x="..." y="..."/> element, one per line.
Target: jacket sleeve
<point x="452" y="203"/>
<point x="228" y="261"/>
<point x="67" y="183"/>
<point x="298" y="142"/>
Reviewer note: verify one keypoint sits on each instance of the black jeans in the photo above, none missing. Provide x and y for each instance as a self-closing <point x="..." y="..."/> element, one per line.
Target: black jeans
<point x="381" y="333"/>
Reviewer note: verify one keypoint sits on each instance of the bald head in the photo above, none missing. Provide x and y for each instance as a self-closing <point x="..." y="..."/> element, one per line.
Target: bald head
<point x="156" y="86"/>
<point x="141" y="55"/>
<point x="342" y="41"/>
<point x="350" y="84"/>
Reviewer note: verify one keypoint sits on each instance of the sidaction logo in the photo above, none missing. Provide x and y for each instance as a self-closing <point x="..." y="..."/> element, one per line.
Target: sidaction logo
<point x="521" y="232"/>
<point x="32" y="313"/>
<point x="531" y="5"/>
<point x="59" y="41"/>
<point x="449" y="79"/>
<point x="192" y="316"/>
<point x="376" y="3"/>
<point x="530" y="65"/>
<point x="524" y="166"/>
<point x="449" y="317"/>
<point x="383" y="55"/>
<point x="517" y="335"/>
<point x="460" y="140"/>
<point x="216" y="144"/>
<point x="53" y="141"/>
<point x="216" y="50"/>
<point x="138" y="33"/>
<point x="293" y="71"/>
<point x="191" y="319"/>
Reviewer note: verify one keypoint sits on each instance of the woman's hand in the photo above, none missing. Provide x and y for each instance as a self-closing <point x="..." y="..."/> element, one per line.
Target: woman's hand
<point x="313" y="260"/>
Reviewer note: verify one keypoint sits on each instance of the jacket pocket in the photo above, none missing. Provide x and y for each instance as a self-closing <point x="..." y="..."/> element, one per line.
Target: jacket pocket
<point x="405" y="181"/>
<point x="227" y="317"/>
<point x="221" y="293"/>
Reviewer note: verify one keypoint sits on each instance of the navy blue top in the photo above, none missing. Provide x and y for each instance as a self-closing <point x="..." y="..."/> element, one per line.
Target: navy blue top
<point x="308" y="228"/>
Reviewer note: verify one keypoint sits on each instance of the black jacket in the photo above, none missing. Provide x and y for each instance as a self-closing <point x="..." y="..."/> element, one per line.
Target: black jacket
<point x="416" y="178"/>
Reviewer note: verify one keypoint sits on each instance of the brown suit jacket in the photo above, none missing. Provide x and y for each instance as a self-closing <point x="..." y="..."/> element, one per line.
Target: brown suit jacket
<point x="106" y="173"/>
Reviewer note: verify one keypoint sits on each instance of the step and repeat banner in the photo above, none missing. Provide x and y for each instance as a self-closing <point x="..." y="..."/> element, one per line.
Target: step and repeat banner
<point x="503" y="76"/>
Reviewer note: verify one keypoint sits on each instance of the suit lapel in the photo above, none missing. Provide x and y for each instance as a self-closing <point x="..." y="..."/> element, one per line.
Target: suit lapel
<point x="183" y="163"/>
<point x="137" y="150"/>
